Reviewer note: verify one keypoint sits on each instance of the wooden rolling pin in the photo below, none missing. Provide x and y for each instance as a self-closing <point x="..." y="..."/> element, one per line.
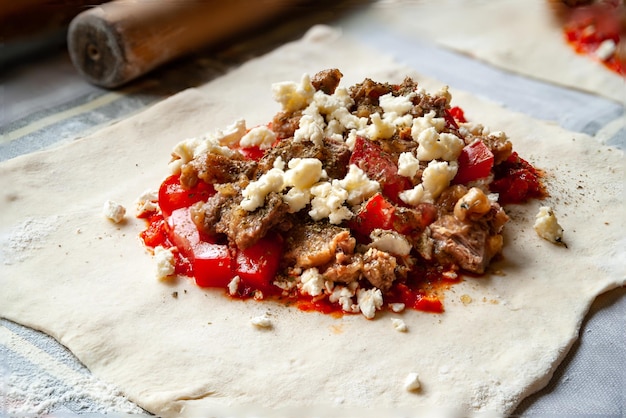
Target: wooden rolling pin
<point x="124" y="39"/>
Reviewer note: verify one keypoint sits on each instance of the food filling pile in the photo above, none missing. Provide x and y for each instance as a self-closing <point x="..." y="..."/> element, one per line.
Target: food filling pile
<point x="377" y="196"/>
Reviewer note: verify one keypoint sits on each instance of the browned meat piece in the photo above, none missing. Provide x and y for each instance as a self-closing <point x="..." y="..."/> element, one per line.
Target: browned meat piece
<point x="469" y="245"/>
<point x="366" y="96"/>
<point x="347" y="268"/>
<point x="222" y="215"/>
<point x="379" y="268"/>
<point x="327" y="80"/>
<point x="207" y="215"/>
<point x="448" y="198"/>
<point x="316" y="244"/>
<point x="334" y="155"/>
<point x="215" y="169"/>
<point x="284" y="124"/>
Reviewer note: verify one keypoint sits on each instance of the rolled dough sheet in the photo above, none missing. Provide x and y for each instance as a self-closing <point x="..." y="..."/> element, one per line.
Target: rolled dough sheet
<point x="519" y="36"/>
<point x="176" y="349"/>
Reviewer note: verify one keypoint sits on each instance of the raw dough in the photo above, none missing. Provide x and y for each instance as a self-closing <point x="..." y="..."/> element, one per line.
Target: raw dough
<point x="518" y="36"/>
<point x="89" y="283"/>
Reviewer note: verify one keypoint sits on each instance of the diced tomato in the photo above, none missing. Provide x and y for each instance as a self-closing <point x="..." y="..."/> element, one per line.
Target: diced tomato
<point x="212" y="262"/>
<point x="156" y="233"/>
<point x="377" y="213"/>
<point x="458" y="114"/>
<point x="428" y="304"/>
<point x="414" y="299"/>
<point x="380" y="213"/>
<point x="252" y="153"/>
<point x="172" y="195"/>
<point x="258" y="264"/>
<point x="516" y="180"/>
<point x="475" y="162"/>
<point x="379" y="166"/>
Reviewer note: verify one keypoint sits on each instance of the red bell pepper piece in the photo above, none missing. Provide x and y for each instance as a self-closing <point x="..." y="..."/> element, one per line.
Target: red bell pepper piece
<point x="379" y="166"/>
<point x="475" y="162"/>
<point x="172" y="195"/>
<point x="212" y="263"/>
<point x="257" y="265"/>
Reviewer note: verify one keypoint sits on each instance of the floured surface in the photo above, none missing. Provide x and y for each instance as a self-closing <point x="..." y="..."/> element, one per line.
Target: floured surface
<point x="519" y="36"/>
<point x="90" y="284"/>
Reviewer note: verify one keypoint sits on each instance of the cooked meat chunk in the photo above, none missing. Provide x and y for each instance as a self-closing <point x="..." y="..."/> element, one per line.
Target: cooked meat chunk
<point x="365" y="96"/>
<point x="347" y="268"/>
<point x="379" y="268"/>
<point x="469" y="245"/>
<point x="223" y="215"/>
<point x="284" y="124"/>
<point x="316" y="244"/>
<point x="215" y="169"/>
<point x="327" y="80"/>
<point x="334" y="155"/>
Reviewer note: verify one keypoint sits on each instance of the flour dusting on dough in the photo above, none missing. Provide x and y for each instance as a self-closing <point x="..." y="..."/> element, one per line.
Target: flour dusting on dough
<point x="22" y="241"/>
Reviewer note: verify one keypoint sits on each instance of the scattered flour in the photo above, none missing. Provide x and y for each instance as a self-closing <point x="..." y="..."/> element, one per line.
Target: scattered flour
<point x="22" y="240"/>
<point x="33" y="383"/>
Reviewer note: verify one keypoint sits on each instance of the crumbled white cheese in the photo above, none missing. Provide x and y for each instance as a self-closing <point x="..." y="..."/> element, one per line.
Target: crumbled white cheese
<point x="547" y="226"/>
<point x="343" y="296"/>
<point x="327" y="202"/>
<point x="408" y="165"/>
<point x="233" y="133"/>
<point x="412" y="382"/>
<point x="379" y="128"/>
<point x="260" y="136"/>
<point x="390" y="241"/>
<point x="303" y="173"/>
<point x="435" y="179"/>
<point x="311" y="126"/>
<point x="606" y="49"/>
<point x="165" y="262"/>
<point x="233" y="285"/>
<point x="425" y="122"/>
<point x="147" y="202"/>
<point x="358" y="185"/>
<point x="297" y="199"/>
<point x="312" y="282"/>
<point x="261" y="321"/>
<point x="399" y="325"/>
<point x="397" y="307"/>
<point x="396" y="104"/>
<point x="293" y="96"/>
<point x="255" y="192"/>
<point x="190" y="148"/>
<point x="369" y="301"/>
<point x="433" y="145"/>
<point x="114" y="211"/>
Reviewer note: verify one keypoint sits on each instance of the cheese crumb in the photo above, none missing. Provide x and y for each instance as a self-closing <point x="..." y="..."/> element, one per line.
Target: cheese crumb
<point x="233" y="285"/>
<point x="606" y="49"/>
<point x="165" y="262"/>
<point x="261" y="136"/>
<point x="369" y="301"/>
<point x="261" y="321"/>
<point x="547" y="226"/>
<point x="390" y="241"/>
<point x="312" y="282"/>
<point x="114" y="211"/>
<point x="412" y="382"/>
<point x="399" y="325"/>
<point x="147" y="202"/>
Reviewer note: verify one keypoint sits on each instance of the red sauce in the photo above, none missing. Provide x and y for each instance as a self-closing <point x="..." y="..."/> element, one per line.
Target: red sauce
<point x="589" y="28"/>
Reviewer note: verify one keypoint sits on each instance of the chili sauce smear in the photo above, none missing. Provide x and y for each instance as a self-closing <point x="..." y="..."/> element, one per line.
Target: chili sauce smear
<point x="350" y="200"/>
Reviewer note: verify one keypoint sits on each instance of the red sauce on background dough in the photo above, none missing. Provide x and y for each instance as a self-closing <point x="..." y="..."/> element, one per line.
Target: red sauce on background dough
<point x="588" y="28"/>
